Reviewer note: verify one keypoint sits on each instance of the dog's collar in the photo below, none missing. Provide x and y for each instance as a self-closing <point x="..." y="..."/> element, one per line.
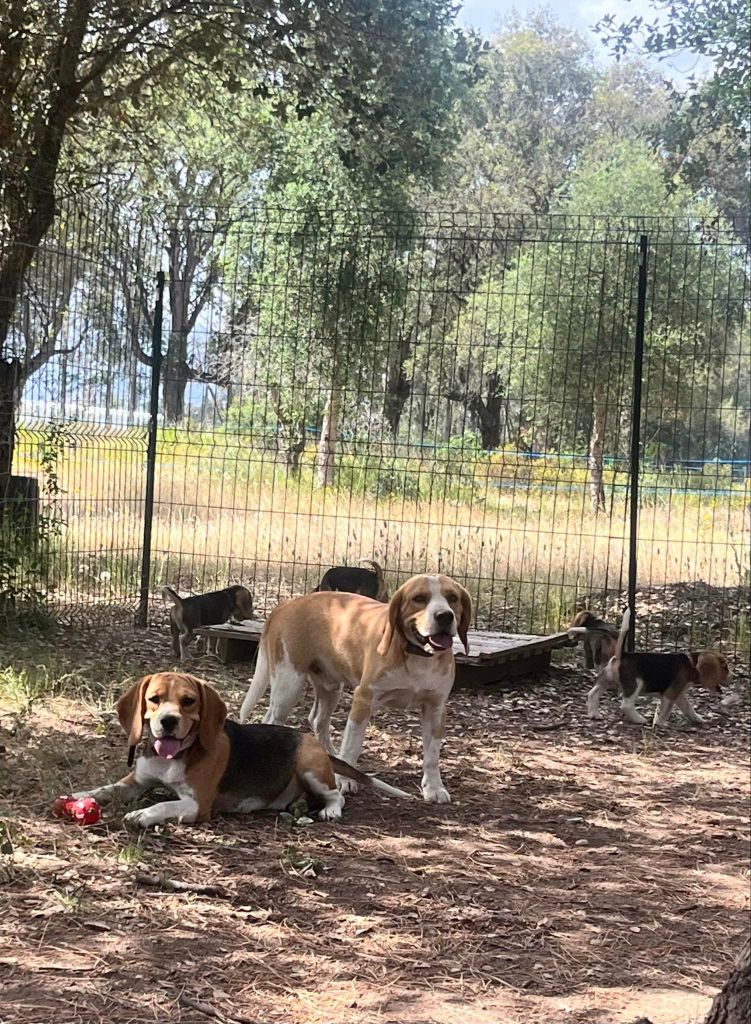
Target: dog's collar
<point x="412" y="648"/>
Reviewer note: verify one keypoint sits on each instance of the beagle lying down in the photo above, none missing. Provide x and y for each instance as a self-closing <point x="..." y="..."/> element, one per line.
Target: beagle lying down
<point x="397" y="655"/>
<point x="213" y="764"/>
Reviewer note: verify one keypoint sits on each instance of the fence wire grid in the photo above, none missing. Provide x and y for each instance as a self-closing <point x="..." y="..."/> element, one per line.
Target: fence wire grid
<point x="438" y="392"/>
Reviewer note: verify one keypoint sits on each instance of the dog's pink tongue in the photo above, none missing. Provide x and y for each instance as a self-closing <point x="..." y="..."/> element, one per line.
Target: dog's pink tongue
<point x="441" y="641"/>
<point x="167" y="746"/>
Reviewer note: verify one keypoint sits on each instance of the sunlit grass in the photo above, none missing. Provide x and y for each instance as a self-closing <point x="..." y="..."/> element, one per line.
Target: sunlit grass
<point x="523" y="537"/>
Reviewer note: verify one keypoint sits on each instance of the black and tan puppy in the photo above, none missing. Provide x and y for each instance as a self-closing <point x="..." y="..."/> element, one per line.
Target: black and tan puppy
<point x="188" y="613"/>
<point x="597" y="636"/>
<point x="352" y="580"/>
<point x="667" y="676"/>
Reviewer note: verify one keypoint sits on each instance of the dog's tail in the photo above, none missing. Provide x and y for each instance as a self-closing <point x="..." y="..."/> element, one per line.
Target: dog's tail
<point x="621" y="641"/>
<point x="258" y="685"/>
<point x="168" y="594"/>
<point x="383" y="593"/>
<point x="342" y="768"/>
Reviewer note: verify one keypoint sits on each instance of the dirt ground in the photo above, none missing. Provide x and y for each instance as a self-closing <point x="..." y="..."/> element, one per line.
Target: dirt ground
<point x="591" y="872"/>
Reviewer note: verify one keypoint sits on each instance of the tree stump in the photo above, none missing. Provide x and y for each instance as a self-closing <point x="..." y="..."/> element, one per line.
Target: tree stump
<point x="732" y="1004"/>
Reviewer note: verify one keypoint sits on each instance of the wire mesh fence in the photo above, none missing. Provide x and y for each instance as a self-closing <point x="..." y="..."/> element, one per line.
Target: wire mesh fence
<point x="437" y="392"/>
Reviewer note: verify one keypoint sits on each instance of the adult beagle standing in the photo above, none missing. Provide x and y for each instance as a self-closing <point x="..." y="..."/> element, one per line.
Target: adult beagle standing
<point x="397" y="655"/>
<point x="212" y="764"/>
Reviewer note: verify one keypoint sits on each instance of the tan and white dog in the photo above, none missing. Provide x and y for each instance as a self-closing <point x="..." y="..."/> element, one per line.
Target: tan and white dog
<point x="212" y="764"/>
<point x="397" y="655"/>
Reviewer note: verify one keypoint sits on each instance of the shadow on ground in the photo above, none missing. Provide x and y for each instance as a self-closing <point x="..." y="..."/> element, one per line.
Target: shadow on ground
<point x="586" y="873"/>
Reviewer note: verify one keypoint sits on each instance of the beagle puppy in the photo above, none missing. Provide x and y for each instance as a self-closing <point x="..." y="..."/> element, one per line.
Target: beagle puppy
<point x="667" y="676"/>
<point x="188" y="613"/>
<point x="597" y="636"/>
<point x="353" y="580"/>
<point x="212" y="764"/>
<point x="397" y="655"/>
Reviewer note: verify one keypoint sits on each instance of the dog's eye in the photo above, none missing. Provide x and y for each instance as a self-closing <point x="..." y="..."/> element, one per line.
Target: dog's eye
<point x="453" y="598"/>
<point x="154" y="698"/>
<point x="420" y="598"/>
<point x="187" y="702"/>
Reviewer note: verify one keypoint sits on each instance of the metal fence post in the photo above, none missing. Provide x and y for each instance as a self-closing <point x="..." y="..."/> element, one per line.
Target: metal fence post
<point x="641" y="307"/>
<point x="142" y="615"/>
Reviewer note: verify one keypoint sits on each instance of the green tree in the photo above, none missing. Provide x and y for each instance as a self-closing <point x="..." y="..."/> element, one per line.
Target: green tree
<point x="526" y="119"/>
<point x="328" y="281"/>
<point x="385" y="66"/>
<point x="717" y="29"/>
<point x="558" y="327"/>
<point x="196" y="178"/>
<point x="706" y="136"/>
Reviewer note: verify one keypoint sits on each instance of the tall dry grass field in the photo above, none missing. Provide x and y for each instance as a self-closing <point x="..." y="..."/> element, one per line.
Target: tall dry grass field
<point x="524" y="540"/>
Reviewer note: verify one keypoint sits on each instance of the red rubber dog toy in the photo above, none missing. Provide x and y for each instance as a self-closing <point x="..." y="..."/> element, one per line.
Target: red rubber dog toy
<point x="85" y="811"/>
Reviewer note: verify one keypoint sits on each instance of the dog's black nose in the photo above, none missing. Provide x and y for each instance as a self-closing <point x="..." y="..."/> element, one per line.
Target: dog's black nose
<point x="444" y="618"/>
<point x="168" y="722"/>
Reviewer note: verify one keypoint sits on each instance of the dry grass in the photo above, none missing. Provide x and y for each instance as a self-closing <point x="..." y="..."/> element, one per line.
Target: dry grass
<point x="590" y="874"/>
<point x="527" y="548"/>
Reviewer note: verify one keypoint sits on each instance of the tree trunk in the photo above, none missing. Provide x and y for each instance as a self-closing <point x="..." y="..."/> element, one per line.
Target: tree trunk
<point x="10" y="378"/>
<point x="489" y="413"/>
<point x="398" y="385"/>
<point x="326" y="458"/>
<point x="176" y="377"/>
<point x="732" y="1004"/>
<point x="294" y="450"/>
<point x="596" y="444"/>
<point x="29" y="230"/>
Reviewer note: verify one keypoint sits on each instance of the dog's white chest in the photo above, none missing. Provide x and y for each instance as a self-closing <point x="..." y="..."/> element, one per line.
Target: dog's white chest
<point x="420" y="681"/>
<point x="160" y="771"/>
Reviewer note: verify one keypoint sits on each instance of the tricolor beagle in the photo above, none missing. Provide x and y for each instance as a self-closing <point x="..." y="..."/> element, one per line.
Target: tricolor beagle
<point x="396" y="655"/>
<point x="188" y="613"/>
<point x="213" y="764"/>
<point x="667" y="676"/>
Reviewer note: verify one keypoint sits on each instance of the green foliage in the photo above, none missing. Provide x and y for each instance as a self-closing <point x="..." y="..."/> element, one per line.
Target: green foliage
<point x="717" y="29"/>
<point x="526" y="118"/>
<point x="705" y="138"/>
<point x="575" y="325"/>
<point x="297" y="862"/>
<point x="26" y="538"/>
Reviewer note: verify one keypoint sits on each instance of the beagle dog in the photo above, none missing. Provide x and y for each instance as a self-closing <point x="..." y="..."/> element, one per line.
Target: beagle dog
<point x="667" y="676"/>
<point x="188" y="613"/>
<point x="597" y="636"/>
<point x="213" y="764"/>
<point x="397" y="655"/>
<point x="353" y="580"/>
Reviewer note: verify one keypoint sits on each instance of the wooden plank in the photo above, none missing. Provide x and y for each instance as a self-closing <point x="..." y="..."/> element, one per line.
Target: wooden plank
<point x="487" y="648"/>
<point x="471" y="676"/>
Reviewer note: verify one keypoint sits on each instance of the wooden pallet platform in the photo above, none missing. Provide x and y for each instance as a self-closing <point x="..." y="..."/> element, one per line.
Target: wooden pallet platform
<point x="492" y="656"/>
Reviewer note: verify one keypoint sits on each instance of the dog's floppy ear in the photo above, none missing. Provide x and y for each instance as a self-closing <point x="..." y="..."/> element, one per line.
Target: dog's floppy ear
<point x="213" y="715"/>
<point x="393" y="634"/>
<point x="466" y="617"/>
<point x="131" y="709"/>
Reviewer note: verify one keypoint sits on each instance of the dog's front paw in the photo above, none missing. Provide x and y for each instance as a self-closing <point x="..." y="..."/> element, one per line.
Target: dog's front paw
<point x="332" y="812"/>
<point x="594" y="715"/>
<point x="436" y="795"/>
<point x="139" y="819"/>
<point x="346" y="785"/>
